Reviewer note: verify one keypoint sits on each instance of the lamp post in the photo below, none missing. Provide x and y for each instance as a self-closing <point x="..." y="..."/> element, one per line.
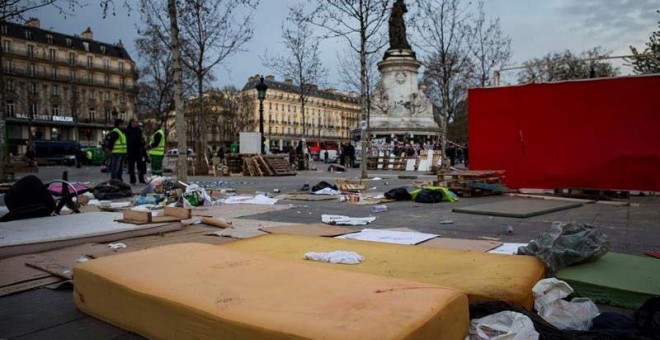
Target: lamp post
<point x="261" y="95"/>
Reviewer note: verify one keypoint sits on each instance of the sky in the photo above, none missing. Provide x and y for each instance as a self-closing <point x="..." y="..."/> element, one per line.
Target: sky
<point x="535" y="28"/>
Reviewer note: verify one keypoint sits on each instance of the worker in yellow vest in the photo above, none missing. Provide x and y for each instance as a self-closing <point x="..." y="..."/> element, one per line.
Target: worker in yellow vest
<point x="156" y="151"/>
<point x="117" y="145"/>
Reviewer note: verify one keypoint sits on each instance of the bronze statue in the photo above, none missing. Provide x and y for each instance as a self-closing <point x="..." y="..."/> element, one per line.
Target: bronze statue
<point x="398" y="39"/>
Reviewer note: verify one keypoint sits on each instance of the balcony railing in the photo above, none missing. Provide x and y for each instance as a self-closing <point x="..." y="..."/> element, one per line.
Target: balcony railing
<point x="65" y="61"/>
<point x="62" y="78"/>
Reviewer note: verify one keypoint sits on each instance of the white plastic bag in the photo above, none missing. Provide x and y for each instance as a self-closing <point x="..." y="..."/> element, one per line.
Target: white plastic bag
<point x="337" y="256"/>
<point x="504" y="325"/>
<point x="576" y="314"/>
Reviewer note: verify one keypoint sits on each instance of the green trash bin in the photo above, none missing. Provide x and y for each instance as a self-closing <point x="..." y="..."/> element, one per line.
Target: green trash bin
<point x="233" y="148"/>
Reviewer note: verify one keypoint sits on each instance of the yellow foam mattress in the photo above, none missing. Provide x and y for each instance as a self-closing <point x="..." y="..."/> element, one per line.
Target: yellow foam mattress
<point x="482" y="276"/>
<point x="200" y="291"/>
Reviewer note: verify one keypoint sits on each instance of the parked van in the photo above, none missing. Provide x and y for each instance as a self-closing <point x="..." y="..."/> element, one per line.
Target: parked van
<point x="56" y="152"/>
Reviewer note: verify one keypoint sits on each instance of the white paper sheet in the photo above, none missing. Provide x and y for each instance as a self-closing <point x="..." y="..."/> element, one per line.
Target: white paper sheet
<point x="507" y="248"/>
<point x="258" y="199"/>
<point x="389" y="236"/>
<point x="346" y="220"/>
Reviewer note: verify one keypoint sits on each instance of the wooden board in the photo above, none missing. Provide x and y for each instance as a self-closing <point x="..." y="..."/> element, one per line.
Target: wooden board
<point x="182" y="213"/>
<point x="136" y="217"/>
<point x="461" y="244"/>
<point x="319" y="229"/>
<point x="27" y="285"/>
<point x="52" y="266"/>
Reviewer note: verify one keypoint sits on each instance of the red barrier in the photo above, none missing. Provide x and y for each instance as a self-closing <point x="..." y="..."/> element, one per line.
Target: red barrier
<point x="599" y="134"/>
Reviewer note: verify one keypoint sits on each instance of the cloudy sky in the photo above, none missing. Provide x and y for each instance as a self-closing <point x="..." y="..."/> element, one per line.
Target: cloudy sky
<point x="535" y="28"/>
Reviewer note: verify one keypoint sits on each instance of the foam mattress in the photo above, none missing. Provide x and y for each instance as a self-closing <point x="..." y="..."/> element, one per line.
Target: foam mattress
<point x="482" y="276"/>
<point x="199" y="291"/>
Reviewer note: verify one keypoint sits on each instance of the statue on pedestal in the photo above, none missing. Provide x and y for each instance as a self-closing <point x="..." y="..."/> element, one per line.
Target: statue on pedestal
<point x="398" y="40"/>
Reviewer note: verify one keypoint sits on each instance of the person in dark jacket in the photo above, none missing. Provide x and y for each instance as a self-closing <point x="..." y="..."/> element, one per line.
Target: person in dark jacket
<point x="135" y="154"/>
<point x="118" y="148"/>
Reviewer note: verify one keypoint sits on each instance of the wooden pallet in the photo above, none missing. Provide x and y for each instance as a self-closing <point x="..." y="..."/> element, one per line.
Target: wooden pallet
<point x="352" y="185"/>
<point x="471" y="183"/>
<point x="279" y="166"/>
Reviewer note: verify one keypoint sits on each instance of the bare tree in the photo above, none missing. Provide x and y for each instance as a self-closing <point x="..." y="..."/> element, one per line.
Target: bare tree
<point x="361" y="24"/>
<point x="648" y="60"/>
<point x="182" y="166"/>
<point x="156" y="93"/>
<point x="446" y="39"/>
<point x="235" y="113"/>
<point x="492" y="48"/>
<point x="567" y="66"/>
<point x="212" y="31"/>
<point x="302" y="63"/>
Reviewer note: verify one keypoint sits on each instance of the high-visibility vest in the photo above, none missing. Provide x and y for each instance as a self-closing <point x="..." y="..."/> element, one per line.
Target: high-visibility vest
<point x="120" y="143"/>
<point x="160" y="149"/>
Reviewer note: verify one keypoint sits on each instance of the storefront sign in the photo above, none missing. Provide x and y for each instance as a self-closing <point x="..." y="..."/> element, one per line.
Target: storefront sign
<point x="22" y="116"/>
<point x="41" y="117"/>
<point x="62" y="119"/>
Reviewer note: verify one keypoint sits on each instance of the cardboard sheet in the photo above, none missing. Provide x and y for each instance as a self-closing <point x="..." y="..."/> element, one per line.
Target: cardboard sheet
<point x="310" y="229"/>
<point x="615" y="279"/>
<point x="232" y="211"/>
<point x="482" y="276"/>
<point x="389" y="236"/>
<point x="519" y="208"/>
<point x="461" y="244"/>
<point x="45" y="233"/>
<point x="198" y="291"/>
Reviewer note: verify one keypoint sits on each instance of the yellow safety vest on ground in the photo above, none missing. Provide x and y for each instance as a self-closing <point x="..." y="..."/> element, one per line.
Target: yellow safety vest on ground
<point x="160" y="149"/>
<point x="120" y="143"/>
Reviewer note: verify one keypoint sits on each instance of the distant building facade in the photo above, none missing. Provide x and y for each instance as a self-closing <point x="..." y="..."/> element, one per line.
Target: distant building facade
<point x="330" y="116"/>
<point x="62" y="87"/>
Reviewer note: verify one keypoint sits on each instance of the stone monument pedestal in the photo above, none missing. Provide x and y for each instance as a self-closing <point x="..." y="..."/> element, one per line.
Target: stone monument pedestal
<point x="399" y="105"/>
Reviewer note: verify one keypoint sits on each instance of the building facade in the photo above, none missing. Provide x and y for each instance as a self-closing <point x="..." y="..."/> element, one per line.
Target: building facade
<point x="62" y="87"/>
<point x="330" y="116"/>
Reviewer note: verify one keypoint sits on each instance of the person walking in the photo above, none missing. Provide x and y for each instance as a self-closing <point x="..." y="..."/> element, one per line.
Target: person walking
<point x="117" y="145"/>
<point x="156" y="150"/>
<point x="135" y="151"/>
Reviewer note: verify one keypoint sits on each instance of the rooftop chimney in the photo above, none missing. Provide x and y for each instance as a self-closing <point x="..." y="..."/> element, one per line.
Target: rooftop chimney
<point x="270" y="78"/>
<point x="87" y="34"/>
<point x="33" y="22"/>
<point x="288" y="81"/>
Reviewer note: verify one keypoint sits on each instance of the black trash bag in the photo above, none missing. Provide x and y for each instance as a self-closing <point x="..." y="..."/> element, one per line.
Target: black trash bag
<point x="28" y="198"/>
<point x="112" y="189"/>
<point x="322" y="185"/>
<point x="647" y="317"/>
<point x="549" y="332"/>
<point x="398" y="194"/>
<point x="567" y="244"/>
<point x="429" y="196"/>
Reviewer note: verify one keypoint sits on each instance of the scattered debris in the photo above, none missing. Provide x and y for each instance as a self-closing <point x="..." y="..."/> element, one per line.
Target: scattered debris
<point x="337" y="256"/>
<point x="116" y="246"/>
<point x="446" y="222"/>
<point x="345" y="220"/>
<point x="574" y="315"/>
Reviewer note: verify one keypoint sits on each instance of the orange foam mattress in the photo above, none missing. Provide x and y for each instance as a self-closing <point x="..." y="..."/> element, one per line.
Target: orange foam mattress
<point x="199" y="291"/>
<point x="482" y="276"/>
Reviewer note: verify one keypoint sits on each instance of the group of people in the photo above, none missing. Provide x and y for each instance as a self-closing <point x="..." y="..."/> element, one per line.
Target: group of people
<point x="126" y="143"/>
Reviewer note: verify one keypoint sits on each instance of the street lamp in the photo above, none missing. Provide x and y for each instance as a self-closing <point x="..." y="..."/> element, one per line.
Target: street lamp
<point x="261" y="94"/>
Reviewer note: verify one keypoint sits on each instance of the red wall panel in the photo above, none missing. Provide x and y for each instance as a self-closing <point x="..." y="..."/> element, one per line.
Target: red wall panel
<point x="600" y="134"/>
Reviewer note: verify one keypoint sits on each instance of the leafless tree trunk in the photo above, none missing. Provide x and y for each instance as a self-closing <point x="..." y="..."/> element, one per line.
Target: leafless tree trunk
<point x="446" y="39"/>
<point x="182" y="166"/>
<point x="492" y="47"/>
<point x="364" y="20"/>
<point x="303" y="63"/>
<point x="212" y="30"/>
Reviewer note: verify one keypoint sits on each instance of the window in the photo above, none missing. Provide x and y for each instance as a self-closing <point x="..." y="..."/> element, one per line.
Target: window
<point x="122" y="99"/>
<point x="90" y="78"/>
<point x="30" y="51"/>
<point x="53" y="73"/>
<point x="9" y="85"/>
<point x="102" y="49"/>
<point x="10" y="108"/>
<point x="72" y="58"/>
<point x="106" y="96"/>
<point x="92" y="113"/>
<point x="28" y="34"/>
<point x="9" y="66"/>
<point x="86" y="46"/>
<point x="49" y="38"/>
<point x="123" y="83"/>
<point x="121" y="66"/>
<point x="6" y="46"/>
<point x="92" y="94"/>
<point x="55" y="90"/>
<point x="106" y="80"/>
<point x="72" y="76"/>
<point x="106" y="64"/>
<point x="52" y="54"/>
<point x="55" y="110"/>
<point x="90" y="61"/>
<point x="4" y="29"/>
<point x="68" y="42"/>
<point x="33" y="108"/>
<point x="32" y="88"/>
<point x="270" y="106"/>
<point x="276" y="107"/>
